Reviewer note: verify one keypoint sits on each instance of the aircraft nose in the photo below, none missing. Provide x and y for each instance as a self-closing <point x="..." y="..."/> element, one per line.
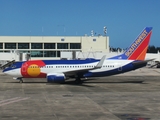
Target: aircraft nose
<point x="12" y="72"/>
<point x="5" y="71"/>
<point x="8" y="71"/>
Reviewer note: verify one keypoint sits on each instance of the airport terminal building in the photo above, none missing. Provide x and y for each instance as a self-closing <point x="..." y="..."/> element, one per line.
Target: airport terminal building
<point x="50" y="47"/>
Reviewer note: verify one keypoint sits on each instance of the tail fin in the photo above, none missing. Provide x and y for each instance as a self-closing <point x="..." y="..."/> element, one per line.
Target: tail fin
<point x="138" y="49"/>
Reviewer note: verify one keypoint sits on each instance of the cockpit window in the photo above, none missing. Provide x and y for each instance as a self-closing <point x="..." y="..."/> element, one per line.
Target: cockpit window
<point x="13" y="66"/>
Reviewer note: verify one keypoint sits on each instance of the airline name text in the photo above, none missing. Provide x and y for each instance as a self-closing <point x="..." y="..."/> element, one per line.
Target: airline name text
<point x="136" y="43"/>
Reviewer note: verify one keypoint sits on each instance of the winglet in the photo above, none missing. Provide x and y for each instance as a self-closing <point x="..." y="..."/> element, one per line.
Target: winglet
<point x="99" y="65"/>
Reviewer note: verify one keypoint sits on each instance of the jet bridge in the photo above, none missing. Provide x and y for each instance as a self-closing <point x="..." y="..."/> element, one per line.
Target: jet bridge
<point x="7" y="59"/>
<point x="9" y="63"/>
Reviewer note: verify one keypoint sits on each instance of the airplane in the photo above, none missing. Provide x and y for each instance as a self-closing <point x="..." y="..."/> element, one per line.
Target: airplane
<point x="59" y="71"/>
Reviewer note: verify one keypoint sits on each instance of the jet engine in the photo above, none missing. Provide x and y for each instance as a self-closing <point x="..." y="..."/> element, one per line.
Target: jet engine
<point x="56" y="77"/>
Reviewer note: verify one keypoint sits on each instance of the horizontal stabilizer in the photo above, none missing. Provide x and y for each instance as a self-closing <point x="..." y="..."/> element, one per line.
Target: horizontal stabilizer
<point x="142" y="62"/>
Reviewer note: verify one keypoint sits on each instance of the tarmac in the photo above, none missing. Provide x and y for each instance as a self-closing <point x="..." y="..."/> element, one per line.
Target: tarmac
<point x="130" y="96"/>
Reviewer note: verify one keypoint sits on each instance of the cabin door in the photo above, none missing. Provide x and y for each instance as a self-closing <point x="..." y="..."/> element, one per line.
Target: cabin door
<point x="120" y="68"/>
<point x="24" y="67"/>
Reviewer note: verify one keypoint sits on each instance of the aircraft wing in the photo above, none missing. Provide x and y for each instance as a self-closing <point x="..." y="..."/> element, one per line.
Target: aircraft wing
<point x="74" y="72"/>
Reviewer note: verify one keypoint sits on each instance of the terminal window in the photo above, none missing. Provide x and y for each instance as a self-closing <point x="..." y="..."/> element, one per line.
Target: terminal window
<point x="75" y="45"/>
<point x="23" y="45"/>
<point x="62" y="45"/>
<point x="36" y="46"/>
<point x="49" y="53"/>
<point x="24" y="51"/>
<point x="10" y="45"/>
<point x="1" y="45"/>
<point x="49" y="45"/>
<point x="94" y="40"/>
<point x="6" y="51"/>
<point x="36" y="53"/>
<point x="58" y="53"/>
<point x="62" y="39"/>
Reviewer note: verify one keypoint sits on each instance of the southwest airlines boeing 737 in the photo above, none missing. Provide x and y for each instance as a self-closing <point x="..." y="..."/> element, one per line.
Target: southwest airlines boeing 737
<point x="61" y="70"/>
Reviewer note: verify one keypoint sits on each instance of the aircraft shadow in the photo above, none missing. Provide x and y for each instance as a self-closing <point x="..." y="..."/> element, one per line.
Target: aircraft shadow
<point x="66" y="83"/>
<point x="26" y="82"/>
<point x="119" y="82"/>
<point x="114" y="82"/>
<point x="76" y="84"/>
<point x="83" y="82"/>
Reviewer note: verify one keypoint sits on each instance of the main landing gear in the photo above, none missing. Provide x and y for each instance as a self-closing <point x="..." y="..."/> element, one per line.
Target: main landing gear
<point x="78" y="80"/>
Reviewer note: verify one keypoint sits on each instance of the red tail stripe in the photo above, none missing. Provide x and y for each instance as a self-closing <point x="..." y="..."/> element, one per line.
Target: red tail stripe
<point x="140" y="48"/>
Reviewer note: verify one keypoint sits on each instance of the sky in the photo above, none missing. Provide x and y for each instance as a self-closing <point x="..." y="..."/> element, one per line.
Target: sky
<point x="124" y="19"/>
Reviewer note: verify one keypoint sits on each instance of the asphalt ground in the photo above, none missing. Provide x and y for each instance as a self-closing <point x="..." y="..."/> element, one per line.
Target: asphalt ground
<point x="130" y="96"/>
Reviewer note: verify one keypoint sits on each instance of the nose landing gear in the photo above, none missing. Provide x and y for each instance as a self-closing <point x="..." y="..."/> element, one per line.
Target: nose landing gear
<point x="19" y="78"/>
<point x="21" y="81"/>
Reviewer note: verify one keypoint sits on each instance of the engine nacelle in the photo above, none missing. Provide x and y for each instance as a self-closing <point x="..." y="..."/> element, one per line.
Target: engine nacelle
<point x="56" y="77"/>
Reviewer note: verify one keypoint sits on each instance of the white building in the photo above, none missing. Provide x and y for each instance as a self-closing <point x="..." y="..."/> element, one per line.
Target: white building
<point x="57" y="47"/>
<point x="50" y="47"/>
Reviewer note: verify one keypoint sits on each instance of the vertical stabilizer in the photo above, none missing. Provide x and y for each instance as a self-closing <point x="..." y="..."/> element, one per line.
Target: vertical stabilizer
<point x="138" y="49"/>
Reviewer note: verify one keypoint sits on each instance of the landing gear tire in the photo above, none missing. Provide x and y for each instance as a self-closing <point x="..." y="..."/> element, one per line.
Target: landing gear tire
<point x="78" y="80"/>
<point x="20" y="81"/>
